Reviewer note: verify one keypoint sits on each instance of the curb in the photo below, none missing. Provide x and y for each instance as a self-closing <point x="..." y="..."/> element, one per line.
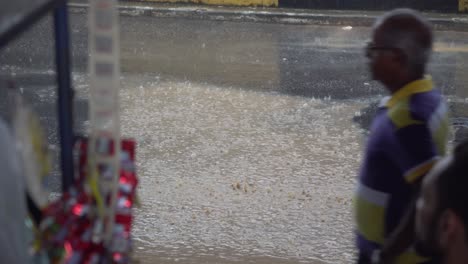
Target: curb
<point x="270" y="15"/>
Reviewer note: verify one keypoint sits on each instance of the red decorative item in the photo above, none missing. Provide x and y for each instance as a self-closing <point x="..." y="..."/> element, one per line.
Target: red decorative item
<point x="69" y="223"/>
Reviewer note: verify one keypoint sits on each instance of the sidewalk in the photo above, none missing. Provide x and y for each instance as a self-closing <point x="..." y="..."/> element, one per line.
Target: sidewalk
<point x="443" y="22"/>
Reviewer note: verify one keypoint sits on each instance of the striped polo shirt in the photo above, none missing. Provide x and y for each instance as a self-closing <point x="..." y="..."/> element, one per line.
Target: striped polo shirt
<point x="408" y="134"/>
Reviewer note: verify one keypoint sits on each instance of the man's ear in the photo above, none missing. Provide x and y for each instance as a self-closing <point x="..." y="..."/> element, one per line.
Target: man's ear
<point x="447" y="228"/>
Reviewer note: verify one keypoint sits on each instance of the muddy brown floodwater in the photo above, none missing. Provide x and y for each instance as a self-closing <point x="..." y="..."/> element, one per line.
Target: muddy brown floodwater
<point x="235" y="176"/>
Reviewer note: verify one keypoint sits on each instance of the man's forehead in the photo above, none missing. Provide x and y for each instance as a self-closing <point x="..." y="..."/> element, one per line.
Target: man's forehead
<point x="379" y="30"/>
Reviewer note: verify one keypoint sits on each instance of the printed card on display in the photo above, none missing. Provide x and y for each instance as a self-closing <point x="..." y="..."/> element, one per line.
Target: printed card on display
<point x="104" y="67"/>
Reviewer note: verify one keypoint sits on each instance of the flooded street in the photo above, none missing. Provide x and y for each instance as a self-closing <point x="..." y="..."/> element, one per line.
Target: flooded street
<point x="248" y="145"/>
<point x="239" y="174"/>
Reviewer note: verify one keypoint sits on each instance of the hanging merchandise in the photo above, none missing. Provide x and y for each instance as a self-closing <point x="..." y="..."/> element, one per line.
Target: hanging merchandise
<point x="104" y="148"/>
<point x="91" y="223"/>
<point x="71" y="227"/>
<point x="33" y="150"/>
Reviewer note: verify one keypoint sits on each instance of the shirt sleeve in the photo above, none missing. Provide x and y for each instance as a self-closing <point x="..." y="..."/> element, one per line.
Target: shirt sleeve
<point x="416" y="153"/>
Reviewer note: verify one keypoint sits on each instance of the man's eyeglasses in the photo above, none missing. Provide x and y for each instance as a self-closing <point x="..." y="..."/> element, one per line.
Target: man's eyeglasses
<point x="372" y="50"/>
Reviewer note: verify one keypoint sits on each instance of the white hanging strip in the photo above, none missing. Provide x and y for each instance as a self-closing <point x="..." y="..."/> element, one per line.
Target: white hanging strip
<point x="104" y="144"/>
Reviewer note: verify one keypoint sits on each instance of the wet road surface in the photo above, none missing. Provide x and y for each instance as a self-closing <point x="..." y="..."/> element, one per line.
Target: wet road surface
<point x="249" y="135"/>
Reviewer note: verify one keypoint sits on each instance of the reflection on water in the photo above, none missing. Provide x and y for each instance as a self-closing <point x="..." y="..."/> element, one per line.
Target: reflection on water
<point x="232" y="174"/>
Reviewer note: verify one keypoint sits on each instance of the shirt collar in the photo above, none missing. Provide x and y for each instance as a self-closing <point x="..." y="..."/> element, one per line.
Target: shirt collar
<point x="418" y="86"/>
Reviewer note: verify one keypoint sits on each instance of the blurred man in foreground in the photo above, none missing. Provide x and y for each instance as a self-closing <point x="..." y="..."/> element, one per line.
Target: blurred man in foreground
<point x="408" y="135"/>
<point x="442" y="209"/>
<point x="14" y="245"/>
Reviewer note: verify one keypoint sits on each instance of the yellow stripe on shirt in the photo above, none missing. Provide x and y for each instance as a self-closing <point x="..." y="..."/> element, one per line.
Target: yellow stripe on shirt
<point x="400" y="115"/>
<point x="420" y="170"/>
<point x="370" y="207"/>
<point x="410" y="258"/>
<point x="418" y="86"/>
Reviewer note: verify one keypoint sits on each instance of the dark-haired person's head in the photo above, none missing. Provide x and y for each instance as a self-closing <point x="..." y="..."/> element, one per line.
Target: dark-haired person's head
<point x="442" y="209"/>
<point x="400" y="48"/>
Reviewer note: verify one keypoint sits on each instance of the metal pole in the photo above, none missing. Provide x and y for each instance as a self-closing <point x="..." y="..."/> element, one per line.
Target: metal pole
<point x="65" y="94"/>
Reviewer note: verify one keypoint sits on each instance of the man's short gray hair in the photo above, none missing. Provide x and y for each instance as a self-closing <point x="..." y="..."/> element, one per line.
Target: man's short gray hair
<point x="407" y="30"/>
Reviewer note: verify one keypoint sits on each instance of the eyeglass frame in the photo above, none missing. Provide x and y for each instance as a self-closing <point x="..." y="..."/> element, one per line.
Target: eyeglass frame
<point x="372" y="48"/>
